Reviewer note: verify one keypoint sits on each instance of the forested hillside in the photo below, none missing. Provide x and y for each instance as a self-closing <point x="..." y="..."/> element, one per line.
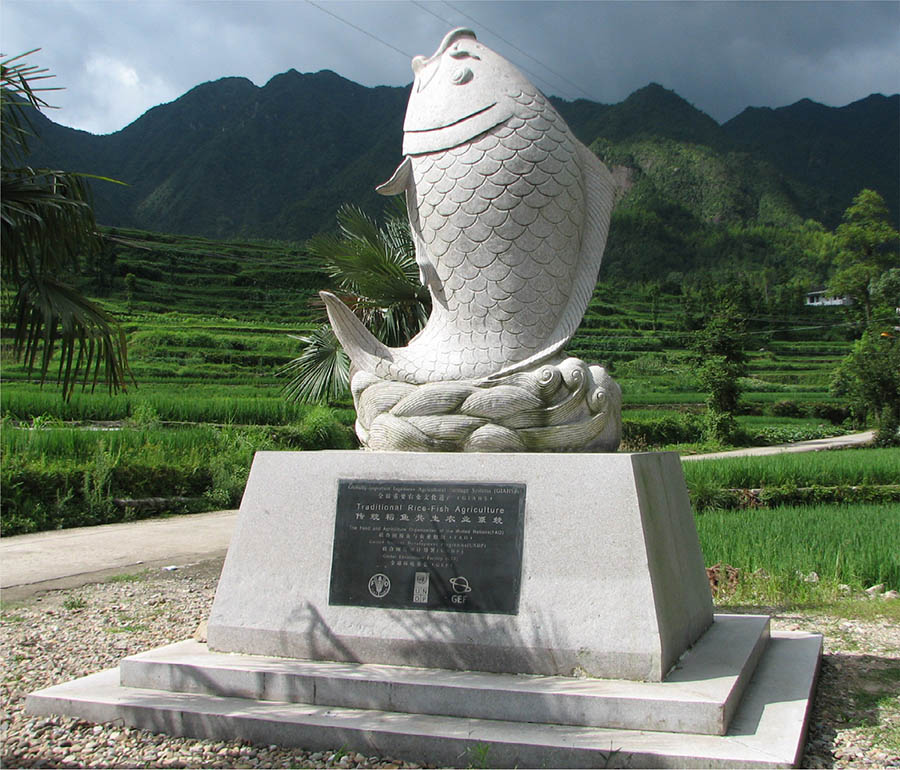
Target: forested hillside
<point x="230" y="159"/>
<point x="833" y="152"/>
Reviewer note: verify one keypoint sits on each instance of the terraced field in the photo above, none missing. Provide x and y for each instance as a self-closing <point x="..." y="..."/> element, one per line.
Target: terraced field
<point x="208" y="326"/>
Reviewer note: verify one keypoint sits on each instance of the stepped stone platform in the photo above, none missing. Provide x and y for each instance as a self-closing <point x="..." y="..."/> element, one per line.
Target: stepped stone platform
<point x="739" y="698"/>
<point x="591" y="640"/>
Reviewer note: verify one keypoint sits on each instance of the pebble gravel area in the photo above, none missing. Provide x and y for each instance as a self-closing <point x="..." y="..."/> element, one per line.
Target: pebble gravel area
<point x="61" y="635"/>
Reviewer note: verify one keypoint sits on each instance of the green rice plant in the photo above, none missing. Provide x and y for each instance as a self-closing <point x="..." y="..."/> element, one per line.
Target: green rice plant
<point x="230" y="464"/>
<point x="757" y="421"/>
<point x="632" y="395"/>
<point x="98" y="479"/>
<point x="244" y="405"/>
<point x="834" y="468"/>
<point x="851" y="544"/>
<point x="144" y="415"/>
<point x="24" y="401"/>
<point x="65" y="477"/>
<point x="797" y="395"/>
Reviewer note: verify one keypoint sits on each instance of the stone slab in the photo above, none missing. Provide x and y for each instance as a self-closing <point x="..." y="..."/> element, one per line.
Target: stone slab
<point x="768" y="729"/>
<point x="612" y="578"/>
<point x="699" y="696"/>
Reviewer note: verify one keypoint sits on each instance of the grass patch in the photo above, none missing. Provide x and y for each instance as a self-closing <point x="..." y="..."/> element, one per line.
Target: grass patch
<point x="833" y="468"/>
<point x="854" y="545"/>
<point x="74" y="603"/>
<point x="129" y="577"/>
<point x="128" y="629"/>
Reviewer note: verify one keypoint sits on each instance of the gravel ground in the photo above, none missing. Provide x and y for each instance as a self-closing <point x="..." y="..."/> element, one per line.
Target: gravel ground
<point x="62" y="635"/>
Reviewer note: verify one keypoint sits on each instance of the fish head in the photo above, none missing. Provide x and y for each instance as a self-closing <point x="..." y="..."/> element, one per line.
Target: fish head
<point x="459" y="92"/>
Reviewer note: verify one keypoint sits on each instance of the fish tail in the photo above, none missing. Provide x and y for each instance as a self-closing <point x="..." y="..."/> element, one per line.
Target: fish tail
<point x="365" y="351"/>
<point x="369" y="354"/>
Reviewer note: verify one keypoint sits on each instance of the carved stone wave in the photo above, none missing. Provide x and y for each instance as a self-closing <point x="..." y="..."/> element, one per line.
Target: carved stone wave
<point x="559" y="406"/>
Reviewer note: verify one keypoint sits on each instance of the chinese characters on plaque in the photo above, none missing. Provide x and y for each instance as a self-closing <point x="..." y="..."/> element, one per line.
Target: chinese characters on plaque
<point x="452" y="546"/>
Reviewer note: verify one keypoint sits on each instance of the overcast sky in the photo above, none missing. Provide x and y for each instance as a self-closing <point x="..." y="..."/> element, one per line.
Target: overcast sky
<point x="116" y="58"/>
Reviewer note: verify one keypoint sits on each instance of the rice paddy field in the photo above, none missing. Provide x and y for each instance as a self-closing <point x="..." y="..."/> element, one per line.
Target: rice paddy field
<point x="748" y="517"/>
<point x="208" y="327"/>
<point x="853" y="545"/>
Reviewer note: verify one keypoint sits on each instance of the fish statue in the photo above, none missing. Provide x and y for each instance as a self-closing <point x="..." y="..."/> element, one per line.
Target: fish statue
<point x="509" y="215"/>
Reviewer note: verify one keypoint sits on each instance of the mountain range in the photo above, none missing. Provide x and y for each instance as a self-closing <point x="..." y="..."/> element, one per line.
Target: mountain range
<point x="231" y="159"/>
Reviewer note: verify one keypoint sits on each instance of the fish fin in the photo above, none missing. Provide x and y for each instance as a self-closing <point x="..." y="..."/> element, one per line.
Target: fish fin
<point x="600" y="195"/>
<point x="399" y="181"/>
<point x="531" y="361"/>
<point x="366" y="352"/>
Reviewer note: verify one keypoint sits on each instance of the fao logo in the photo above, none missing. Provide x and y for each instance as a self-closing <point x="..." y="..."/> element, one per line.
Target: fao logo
<point x="379" y="585"/>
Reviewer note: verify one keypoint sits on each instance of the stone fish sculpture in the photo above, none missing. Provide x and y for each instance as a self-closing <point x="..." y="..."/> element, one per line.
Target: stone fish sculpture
<point x="509" y="214"/>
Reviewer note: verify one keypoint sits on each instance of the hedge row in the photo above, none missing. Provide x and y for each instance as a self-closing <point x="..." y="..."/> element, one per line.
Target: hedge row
<point x="706" y="499"/>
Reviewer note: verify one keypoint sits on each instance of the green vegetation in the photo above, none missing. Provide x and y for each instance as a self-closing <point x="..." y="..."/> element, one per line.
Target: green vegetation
<point x="870" y="380"/>
<point x="867" y="249"/>
<point x="65" y="477"/>
<point x="847" y="466"/>
<point x="793" y="528"/>
<point x="850" y="544"/>
<point x="846" y="476"/>
<point x="206" y="360"/>
<point x="374" y="270"/>
<point x="193" y="403"/>
<point x="47" y="225"/>
<point x="721" y="363"/>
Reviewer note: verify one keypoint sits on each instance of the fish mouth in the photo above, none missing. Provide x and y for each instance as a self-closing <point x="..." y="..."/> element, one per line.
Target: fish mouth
<point x="479" y="111"/>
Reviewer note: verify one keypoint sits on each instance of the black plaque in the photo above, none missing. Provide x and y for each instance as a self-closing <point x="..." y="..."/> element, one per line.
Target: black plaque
<point x="428" y="545"/>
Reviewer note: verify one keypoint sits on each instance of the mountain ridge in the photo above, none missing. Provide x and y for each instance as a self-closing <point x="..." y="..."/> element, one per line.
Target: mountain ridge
<point x="232" y="159"/>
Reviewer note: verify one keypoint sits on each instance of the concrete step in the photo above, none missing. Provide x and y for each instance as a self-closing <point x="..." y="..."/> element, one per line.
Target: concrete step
<point x="699" y="696"/>
<point x="767" y="730"/>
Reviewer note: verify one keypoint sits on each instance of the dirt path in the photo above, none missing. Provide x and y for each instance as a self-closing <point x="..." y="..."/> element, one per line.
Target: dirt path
<point x="816" y="445"/>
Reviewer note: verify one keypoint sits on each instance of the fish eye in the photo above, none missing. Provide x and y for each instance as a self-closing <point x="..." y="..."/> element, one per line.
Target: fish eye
<point x="461" y="76"/>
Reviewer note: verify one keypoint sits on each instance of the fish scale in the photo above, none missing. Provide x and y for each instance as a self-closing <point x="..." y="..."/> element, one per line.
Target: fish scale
<point x="509" y="214"/>
<point x="512" y="195"/>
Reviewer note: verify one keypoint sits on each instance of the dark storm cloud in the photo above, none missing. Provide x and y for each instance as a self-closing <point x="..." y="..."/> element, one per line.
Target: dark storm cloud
<point x="118" y="59"/>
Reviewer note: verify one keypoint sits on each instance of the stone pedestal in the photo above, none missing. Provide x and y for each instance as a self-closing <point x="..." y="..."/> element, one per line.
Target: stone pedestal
<point x="612" y="579"/>
<point x="611" y="656"/>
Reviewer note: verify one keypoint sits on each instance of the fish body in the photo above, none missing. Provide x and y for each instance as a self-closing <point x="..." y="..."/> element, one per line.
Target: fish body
<point x="509" y="213"/>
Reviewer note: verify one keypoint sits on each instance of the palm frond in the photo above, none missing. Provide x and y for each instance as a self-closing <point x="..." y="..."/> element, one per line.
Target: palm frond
<point x="50" y="314"/>
<point x="377" y="265"/>
<point x="47" y="223"/>
<point x="322" y="370"/>
<point x="375" y="272"/>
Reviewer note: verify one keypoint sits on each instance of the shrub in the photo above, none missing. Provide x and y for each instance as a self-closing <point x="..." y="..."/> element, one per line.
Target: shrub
<point x="787" y="409"/>
<point x="659" y="431"/>
<point x="835" y="414"/>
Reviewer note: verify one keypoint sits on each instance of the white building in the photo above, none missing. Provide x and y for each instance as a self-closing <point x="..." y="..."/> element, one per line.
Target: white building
<point x="820" y="298"/>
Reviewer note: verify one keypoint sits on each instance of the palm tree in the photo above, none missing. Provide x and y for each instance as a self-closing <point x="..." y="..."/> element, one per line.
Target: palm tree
<point x="374" y="271"/>
<point x="47" y="224"/>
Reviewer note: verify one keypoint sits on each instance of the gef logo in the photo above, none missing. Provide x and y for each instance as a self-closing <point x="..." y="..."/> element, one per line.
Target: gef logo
<point x="461" y="588"/>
